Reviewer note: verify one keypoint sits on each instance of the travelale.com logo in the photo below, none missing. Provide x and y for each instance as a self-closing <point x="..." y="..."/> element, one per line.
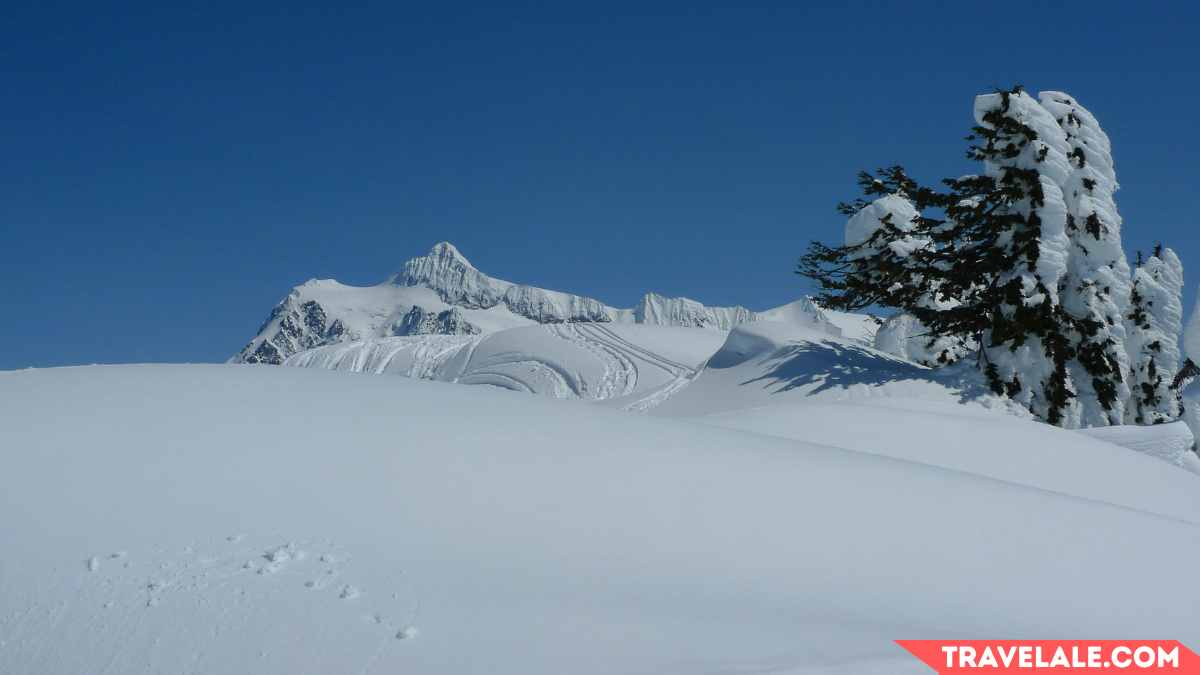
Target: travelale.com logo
<point x="1032" y="656"/>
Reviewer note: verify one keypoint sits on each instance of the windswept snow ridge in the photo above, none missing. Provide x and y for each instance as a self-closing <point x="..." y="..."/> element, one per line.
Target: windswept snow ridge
<point x="443" y="293"/>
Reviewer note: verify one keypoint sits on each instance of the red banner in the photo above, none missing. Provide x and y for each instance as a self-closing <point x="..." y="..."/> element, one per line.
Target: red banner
<point x="1020" y="657"/>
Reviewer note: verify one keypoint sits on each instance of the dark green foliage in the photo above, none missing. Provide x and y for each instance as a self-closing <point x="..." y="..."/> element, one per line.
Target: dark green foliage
<point x="973" y="254"/>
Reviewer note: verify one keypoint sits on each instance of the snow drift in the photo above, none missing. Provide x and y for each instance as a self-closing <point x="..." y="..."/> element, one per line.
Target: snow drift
<point x="225" y="518"/>
<point x="766" y="364"/>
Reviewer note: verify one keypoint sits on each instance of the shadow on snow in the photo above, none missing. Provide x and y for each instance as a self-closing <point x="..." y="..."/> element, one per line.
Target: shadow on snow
<point x="828" y="365"/>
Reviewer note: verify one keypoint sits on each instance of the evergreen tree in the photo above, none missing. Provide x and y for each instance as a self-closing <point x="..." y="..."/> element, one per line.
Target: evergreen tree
<point x="905" y="336"/>
<point x="1028" y="344"/>
<point x="1095" y="290"/>
<point x="990" y="269"/>
<point x="1153" y="325"/>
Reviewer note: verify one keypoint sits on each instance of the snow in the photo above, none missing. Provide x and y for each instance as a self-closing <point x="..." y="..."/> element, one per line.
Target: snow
<point x="767" y="363"/>
<point x="631" y="366"/>
<point x="661" y="311"/>
<point x="456" y="529"/>
<point x="858" y="327"/>
<point x="864" y="224"/>
<point x="1097" y="283"/>
<point x="684" y="372"/>
<point x="1191" y="335"/>
<point x="1030" y="363"/>
<point x="442" y="292"/>
<point x="905" y="336"/>
<point x="994" y="445"/>
<point x="365" y="312"/>
<point x="1153" y="342"/>
<point x="805" y="312"/>
<point x="1170" y="442"/>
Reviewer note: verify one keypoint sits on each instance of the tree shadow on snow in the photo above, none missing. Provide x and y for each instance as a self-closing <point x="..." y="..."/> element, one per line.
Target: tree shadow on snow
<point x="830" y="365"/>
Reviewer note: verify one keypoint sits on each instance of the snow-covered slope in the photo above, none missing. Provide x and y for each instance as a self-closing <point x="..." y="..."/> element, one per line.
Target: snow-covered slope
<point x="443" y="293"/>
<point x="987" y="443"/>
<point x="766" y="363"/>
<point x="632" y="366"/>
<point x="629" y="366"/>
<point x="1171" y="442"/>
<point x="769" y="367"/>
<point x="280" y="520"/>
<point x="857" y="327"/>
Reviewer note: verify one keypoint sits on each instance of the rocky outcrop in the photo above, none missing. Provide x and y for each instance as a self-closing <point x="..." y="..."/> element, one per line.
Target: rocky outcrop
<point x="420" y="321"/>
<point x="297" y="326"/>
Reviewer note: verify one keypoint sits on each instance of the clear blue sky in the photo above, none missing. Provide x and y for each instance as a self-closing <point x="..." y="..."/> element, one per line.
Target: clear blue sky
<point x="169" y="174"/>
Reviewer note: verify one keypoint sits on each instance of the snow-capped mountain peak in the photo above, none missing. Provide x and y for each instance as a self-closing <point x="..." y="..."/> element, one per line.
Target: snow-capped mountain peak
<point x="444" y="269"/>
<point x="441" y="292"/>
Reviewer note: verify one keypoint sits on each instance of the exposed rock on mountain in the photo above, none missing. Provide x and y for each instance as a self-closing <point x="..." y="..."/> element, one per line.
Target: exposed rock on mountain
<point x="442" y="293"/>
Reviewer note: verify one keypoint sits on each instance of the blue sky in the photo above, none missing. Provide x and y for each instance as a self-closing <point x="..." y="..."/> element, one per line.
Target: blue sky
<point x="169" y="173"/>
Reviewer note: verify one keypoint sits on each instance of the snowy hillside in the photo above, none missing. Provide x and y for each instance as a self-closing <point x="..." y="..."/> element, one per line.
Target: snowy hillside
<point x="443" y="293"/>
<point x="767" y="363"/>
<point x="674" y="371"/>
<point x="767" y="367"/>
<point x="232" y="518"/>
<point x="639" y="367"/>
<point x="630" y="366"/>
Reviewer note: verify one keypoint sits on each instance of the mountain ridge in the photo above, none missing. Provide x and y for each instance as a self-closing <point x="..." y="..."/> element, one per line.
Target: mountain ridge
<point x="442" y="293"/>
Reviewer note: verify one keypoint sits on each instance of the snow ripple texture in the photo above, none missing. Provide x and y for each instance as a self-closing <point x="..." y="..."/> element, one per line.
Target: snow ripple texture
<point x="631" y="367"/>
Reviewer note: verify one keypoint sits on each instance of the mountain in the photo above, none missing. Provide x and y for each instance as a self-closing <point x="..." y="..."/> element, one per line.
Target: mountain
<point x="442" y="293"/>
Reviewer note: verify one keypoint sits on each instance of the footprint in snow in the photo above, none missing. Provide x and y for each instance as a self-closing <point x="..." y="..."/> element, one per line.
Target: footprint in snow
<point x="163" y="574"/>
<point x="322" y="581"/>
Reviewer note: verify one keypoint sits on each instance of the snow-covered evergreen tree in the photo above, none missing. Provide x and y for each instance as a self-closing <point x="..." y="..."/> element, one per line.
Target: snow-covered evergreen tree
<point x="875" y="265"/>
<point x="878" y="246"/>
<point x="1027" y="347"/>
<point x="1095" y="290"/>
<point x="1153" y="325"/>
<point x="1186" y="380"/>
<point x="905" y="336"/>
<point x="1191" y="335"/>
<point x="997" y="259"/>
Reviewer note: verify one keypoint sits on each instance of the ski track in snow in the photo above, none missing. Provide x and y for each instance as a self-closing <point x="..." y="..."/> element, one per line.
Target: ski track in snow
<point x="661" y="394"/>
<point x="121" y="591"/>
<point x="680" y="374"/>
<point x="618" y="357"/>
<point x="528" y="372"/>
<point x="620" y="372"/>
<point x="624" y="365"/>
